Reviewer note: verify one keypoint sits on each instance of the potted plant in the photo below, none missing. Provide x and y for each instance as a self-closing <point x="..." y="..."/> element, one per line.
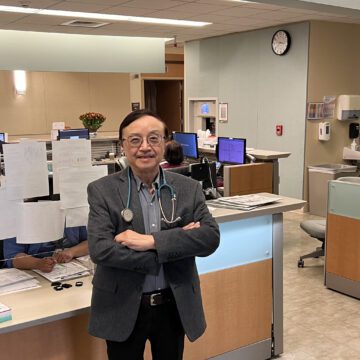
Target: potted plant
<point x="92" y="120"/>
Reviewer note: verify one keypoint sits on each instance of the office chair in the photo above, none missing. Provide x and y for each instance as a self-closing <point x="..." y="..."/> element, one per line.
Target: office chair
<point x="316" y="229"/>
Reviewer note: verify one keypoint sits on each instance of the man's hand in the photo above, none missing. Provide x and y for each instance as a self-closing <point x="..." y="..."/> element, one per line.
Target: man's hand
<point x="192" y="225"/>
<point x="135" y="241"/>
<point x="63" y="256"/>
<point x="46" y="264"/>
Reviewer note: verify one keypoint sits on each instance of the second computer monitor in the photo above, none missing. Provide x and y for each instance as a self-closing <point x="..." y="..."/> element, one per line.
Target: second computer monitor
<point x="188" y="142"/>
<point x="74" y="134"/>
<point x="2" y="136"/>
<point x="231" y="150"/>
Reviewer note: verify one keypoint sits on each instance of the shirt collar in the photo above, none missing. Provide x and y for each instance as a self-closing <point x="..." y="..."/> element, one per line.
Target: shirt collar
<point x="139" y="183"/>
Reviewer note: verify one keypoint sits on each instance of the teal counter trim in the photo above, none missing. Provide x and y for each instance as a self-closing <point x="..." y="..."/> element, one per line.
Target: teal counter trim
<point x="344" y="199"/>
<point x="241" y="242"/>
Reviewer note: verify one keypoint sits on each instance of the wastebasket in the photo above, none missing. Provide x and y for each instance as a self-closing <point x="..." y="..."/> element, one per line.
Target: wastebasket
<point x="319" y="175"/>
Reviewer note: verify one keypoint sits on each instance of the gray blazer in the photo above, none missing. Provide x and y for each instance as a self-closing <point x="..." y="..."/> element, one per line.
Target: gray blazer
<point x="120" y="271"/>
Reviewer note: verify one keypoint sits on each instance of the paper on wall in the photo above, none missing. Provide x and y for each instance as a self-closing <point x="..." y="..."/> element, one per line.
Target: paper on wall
<point x="73" y="184"/>
<point x="77" y="216"/>
<point x="26" y="170"/>
<point x="39" y="222"/>
<point x="69" y="153"/>
<point x="7" y="216"/>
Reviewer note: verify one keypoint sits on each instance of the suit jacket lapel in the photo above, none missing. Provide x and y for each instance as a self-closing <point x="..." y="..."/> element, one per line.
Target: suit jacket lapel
<point x="138" y="221"/>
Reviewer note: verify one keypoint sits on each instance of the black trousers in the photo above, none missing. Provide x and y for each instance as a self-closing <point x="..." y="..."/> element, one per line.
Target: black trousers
<point x="160" y="325"/>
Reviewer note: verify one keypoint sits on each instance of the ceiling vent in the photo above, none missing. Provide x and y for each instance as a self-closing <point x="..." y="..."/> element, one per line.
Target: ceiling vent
<point x="82" y="23"/>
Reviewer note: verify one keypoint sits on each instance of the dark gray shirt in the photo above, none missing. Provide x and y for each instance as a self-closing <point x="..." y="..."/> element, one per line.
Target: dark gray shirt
<point x="152" y="222"/>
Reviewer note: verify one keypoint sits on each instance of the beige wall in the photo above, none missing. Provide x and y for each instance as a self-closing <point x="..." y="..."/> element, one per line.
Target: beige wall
<point x="61" y="96"/>
<point x="334" y="63"/>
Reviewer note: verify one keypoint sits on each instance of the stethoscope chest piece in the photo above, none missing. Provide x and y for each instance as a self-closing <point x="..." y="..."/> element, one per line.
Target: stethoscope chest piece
<point x="127" y="215"/>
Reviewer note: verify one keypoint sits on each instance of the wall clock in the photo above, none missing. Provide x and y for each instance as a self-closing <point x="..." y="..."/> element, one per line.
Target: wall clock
<point x="280" y="42"/>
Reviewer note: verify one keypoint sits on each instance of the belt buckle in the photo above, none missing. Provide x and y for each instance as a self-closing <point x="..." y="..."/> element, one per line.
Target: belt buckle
<point x="153" y="298"/>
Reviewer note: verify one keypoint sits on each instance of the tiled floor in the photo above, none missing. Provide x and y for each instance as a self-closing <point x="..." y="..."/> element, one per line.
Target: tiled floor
<point x="318" y="323"/>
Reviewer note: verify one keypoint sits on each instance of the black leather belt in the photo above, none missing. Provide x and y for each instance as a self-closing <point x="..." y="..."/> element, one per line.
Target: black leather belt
<point x="155" y="298"/>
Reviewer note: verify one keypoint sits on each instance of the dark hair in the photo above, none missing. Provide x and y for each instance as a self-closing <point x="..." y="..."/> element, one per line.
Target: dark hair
<point x="137" y="114"/>
<point x="173" y="153"/>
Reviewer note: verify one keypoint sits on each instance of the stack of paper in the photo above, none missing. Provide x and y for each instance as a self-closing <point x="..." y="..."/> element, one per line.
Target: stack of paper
<point x="65" y="271"/>
<point x="243" y="202"/>
<point x="5" y="313"/>
<point x="14" y="280"/>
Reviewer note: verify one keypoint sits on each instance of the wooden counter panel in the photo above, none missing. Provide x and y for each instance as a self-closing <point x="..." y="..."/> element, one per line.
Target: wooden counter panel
<point x="248" y="179"/>
<point x="59" y="340"/>
<point x="343" y="247"/>
<point x="238" y="309"/>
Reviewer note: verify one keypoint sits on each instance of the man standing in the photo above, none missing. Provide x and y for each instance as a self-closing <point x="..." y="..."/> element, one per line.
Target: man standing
<point x="145" y="230"/>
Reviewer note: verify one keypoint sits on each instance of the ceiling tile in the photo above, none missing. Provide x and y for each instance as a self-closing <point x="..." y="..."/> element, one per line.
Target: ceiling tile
<point x="170" y="14"/>
<point x="72" y="6"/>
<point x="38" y="4"/>
<point x="242" y="11"/>
<point x="125" y="10"/>
<point x="99" y="2"/>
<point x="154" y="4"/>
<point x="200" y="8"/>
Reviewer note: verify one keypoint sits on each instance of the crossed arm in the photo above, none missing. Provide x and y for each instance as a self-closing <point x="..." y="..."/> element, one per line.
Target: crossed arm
<point x="140" y="242"/>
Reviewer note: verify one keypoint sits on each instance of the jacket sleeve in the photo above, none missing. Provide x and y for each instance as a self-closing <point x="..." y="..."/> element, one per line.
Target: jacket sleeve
<point x="176" y="244"/>
<point x="104" y="250"/>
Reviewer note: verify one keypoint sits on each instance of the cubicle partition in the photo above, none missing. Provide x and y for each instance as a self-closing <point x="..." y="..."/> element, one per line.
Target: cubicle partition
<point x="248" y="179"/>
<point x="242" y="294"/>
<point x="342" y="265"/>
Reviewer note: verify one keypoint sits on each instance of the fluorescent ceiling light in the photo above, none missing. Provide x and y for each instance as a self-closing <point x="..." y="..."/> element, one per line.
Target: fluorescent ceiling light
<point x="20" y="81"/>
<point x="111" y="17"/>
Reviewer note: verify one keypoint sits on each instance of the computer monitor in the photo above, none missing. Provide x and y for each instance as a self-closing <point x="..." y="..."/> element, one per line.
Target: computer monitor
<point x="188" y="142"/>
<point x="74" y="134"/>
<point x="205" y="173"/>
<point x="231" y="150"/>
<point x="2" y="136"/>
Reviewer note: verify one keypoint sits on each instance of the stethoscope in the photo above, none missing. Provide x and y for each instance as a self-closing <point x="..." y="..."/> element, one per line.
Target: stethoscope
<point x="128" y="215"/>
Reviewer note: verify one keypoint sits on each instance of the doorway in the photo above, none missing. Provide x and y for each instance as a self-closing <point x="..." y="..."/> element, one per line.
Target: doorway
<point x="165" y="98"/>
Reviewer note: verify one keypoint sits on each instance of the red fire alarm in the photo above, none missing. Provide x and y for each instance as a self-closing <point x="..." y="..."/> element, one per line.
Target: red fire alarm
<point x="279" y="130"/>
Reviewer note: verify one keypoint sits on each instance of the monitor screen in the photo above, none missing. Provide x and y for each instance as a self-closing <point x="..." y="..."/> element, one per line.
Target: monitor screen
<point x="2" y="136"/>
<point x="188" y="142"/>
<point x="231" y="150"/>
<point x="205" y="173"/>
<point x="204" y="109"/>
<point x="74" y="134"/>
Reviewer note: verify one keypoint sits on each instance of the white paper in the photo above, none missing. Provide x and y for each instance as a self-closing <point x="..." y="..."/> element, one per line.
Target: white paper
<point x="7" y="216"/>
<point x="77" y="216"/>
<point x="65" y="271"/>
<point x="14" y="280"/>
<point x="39" y="222"/>
<point x="69" y="153"/>
<point x="26" y="170"/>
<point x="73" y="184"/>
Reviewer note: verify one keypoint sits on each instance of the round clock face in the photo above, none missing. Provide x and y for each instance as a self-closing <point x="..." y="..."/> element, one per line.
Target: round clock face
<point x="280" y="42"/>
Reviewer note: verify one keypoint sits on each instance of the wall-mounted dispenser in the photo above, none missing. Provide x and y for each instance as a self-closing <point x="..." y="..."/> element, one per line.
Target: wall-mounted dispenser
<point x="354" y="134"/>
<point x="324" y="131"/>
<point x="348" y="107"/>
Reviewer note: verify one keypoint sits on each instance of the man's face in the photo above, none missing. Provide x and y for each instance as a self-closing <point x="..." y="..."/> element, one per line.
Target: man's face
<point x="146" y="157"/>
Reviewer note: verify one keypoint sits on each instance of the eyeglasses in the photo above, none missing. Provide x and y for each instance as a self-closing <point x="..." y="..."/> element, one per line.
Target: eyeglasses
<point x="152" y="139"/>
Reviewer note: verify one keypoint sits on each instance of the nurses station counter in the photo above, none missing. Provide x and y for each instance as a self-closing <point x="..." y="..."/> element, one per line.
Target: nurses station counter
<point x="242" y="290"/>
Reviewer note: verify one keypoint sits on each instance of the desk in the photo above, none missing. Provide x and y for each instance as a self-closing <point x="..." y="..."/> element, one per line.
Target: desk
<point x="242" y="294"/>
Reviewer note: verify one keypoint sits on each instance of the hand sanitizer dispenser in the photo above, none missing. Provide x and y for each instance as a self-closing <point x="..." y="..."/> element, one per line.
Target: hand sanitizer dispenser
<point x="324" y="131"/>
